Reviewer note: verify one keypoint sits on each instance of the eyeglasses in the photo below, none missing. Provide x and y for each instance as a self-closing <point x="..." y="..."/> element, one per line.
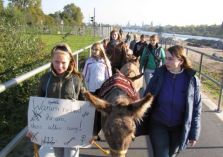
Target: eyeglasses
<point x="172" y="59"/>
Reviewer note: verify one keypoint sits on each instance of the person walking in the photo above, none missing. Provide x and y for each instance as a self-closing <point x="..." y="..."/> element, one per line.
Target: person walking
<point x="97" y="68"/>
<point x="153" y="56"/>
<point x="116" y="51"/>
<point x="139" y="46"/>
<point x="133" y="42"/>
<point x="175" y="116"/>
<point x="63" y="81"/>
<point x="121" y="32"/>
<point x="128" y="38"/>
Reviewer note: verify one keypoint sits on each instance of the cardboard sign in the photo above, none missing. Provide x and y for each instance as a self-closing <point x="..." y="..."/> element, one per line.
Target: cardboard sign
<point x="59" y="122"/>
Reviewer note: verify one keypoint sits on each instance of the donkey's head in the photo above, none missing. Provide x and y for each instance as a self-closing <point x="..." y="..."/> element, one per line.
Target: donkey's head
<point x="131" y="70"/>
<point x="119" y="126"/>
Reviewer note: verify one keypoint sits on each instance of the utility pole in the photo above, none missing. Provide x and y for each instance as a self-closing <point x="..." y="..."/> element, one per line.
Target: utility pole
<point x="94" y="22"/>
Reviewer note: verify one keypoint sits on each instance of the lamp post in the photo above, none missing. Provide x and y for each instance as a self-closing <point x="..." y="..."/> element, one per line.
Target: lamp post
<point x="62" y="23"/>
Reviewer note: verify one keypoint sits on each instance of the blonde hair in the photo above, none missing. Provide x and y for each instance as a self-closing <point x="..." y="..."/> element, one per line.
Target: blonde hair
<point x="102" y="53"/>
<point x="179" y="52"/>
<point x="64" y="48"/>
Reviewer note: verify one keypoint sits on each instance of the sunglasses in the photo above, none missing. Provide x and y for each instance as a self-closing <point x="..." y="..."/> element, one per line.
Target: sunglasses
<point x="62" y="48"/>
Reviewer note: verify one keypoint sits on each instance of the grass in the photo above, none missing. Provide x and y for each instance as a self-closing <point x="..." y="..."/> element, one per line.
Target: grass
<point x="75" y="42"/>
<point x="210" y="88"/>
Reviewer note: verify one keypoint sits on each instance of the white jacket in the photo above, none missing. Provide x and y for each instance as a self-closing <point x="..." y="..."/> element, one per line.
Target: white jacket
<point x="95" y="73"/>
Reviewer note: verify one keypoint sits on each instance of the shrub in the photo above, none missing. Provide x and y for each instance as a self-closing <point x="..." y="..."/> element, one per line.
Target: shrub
<point x="18" y="51"/>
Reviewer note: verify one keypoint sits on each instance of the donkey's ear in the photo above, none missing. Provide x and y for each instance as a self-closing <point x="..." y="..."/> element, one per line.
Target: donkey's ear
<point x="138" y="108"/>
<point x="98" y="103"/>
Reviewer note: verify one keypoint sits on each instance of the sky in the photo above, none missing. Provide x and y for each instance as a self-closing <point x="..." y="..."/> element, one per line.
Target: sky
<point x="159" y="12"/>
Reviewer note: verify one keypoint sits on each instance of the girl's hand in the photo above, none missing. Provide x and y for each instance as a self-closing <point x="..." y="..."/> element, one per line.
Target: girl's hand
<point x="91" y="140"/>
<point x="94" y="138"/>
<point x="29" y="134"/>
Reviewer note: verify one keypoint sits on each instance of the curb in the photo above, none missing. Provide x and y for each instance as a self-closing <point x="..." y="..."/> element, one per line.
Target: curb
<point x="211" y="105"/>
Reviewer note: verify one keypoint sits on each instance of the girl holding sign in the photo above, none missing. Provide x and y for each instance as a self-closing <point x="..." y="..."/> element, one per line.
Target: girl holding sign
<point x="63" y="81"/>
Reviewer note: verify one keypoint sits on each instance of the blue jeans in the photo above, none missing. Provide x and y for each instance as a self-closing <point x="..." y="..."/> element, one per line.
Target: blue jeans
<point x="165" y="140"/>
<point x="148" y="74"/>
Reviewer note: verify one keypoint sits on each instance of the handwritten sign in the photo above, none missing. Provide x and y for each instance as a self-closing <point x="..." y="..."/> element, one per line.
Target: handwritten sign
<point x="59" y="122"/>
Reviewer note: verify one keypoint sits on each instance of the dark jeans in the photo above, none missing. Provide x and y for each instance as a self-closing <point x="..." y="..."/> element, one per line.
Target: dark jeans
<point x="165" y="140"/>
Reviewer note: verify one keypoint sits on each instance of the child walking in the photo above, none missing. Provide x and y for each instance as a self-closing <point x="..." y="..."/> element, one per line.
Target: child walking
<point x="63" y="81"/>
<point x="153" y="56"/>
<point x="97" y="68"/>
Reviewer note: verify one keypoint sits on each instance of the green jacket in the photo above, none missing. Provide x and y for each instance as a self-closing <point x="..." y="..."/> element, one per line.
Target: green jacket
<point x="65" y="87"/>
<point x="148" y="59"/>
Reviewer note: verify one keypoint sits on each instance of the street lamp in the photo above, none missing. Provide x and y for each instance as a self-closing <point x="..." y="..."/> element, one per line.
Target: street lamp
<point x="62" y="23"/>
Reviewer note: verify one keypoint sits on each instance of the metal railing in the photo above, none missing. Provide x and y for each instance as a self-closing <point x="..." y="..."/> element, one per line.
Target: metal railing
<point x="15" y="81"/>
<point x="209" y="77"/>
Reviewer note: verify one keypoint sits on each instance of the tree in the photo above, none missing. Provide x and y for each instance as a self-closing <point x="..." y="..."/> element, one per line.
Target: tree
<point x="57" y="16"/>
<point x="49" y="21"/>
<point x="72" y="14"/>
<point x="1" y="6"/>
<point x="24" y="4"/>
<point x="30" y="11"/>
<point x="34" y="15"/>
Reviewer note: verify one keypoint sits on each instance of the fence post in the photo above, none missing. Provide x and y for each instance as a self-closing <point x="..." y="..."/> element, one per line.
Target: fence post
<point x="89" y="54"/>
<point x="220" y="95"/>
<point x="77" y="62"/>
<point x="200" y="66"/>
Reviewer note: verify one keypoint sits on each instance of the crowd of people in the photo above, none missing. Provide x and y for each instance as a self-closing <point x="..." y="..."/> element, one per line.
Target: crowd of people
<point x="175" y="113"/>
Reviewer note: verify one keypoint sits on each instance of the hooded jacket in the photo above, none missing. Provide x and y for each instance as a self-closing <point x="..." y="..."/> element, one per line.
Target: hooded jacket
<point x="67" y="86"/>
<point x="192" y="117"/>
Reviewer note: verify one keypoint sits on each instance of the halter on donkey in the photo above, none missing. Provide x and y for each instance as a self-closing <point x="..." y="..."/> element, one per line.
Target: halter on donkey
<point x="120" y="103"/>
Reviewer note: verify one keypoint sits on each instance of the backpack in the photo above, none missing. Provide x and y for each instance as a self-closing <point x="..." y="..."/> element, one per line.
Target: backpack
<point x="157" y="57"/>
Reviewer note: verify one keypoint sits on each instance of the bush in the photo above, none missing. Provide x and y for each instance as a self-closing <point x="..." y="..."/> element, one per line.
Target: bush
<point x="18" y="51"/>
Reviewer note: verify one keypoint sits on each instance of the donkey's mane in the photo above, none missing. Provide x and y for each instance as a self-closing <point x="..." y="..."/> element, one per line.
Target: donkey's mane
<point x="123" y="100"/>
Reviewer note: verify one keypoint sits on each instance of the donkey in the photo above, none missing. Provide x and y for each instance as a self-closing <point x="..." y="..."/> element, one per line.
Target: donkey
<point x="122" y="108"/>
<point x="131" y="71"/>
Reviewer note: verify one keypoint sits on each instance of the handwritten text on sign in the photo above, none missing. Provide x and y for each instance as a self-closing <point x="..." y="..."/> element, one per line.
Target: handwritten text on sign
<point x="60" y="122"/>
